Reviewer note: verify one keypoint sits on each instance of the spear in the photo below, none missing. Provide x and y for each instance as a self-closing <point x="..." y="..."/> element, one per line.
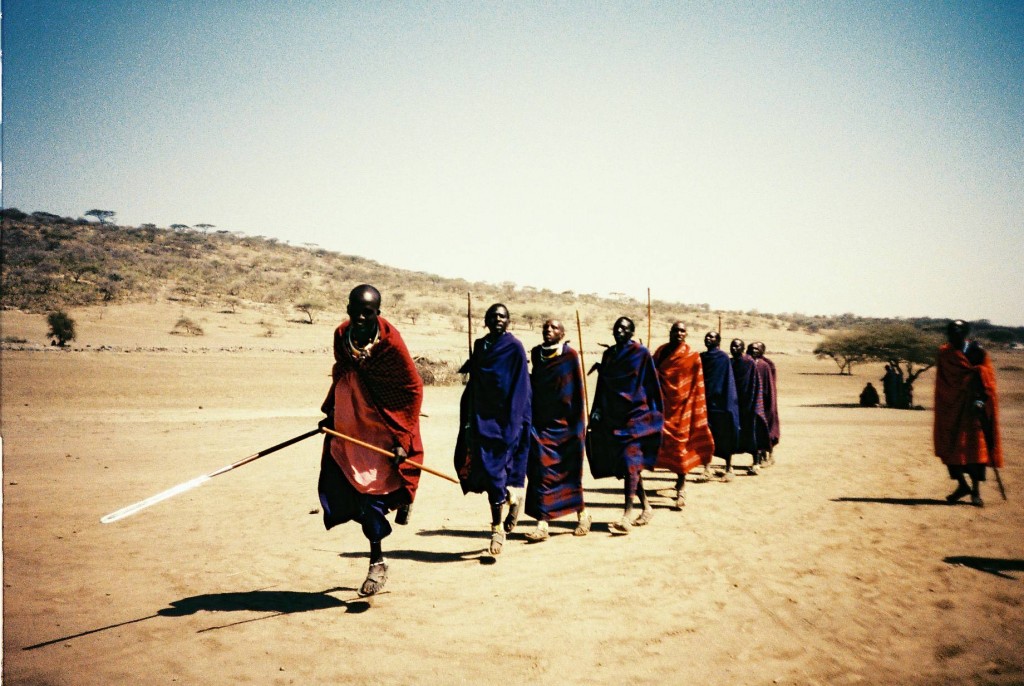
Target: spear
<point x="649" y="319"/>
<point x="200" y="480"/>
<point x="469" y="321"/>
<point x="388" y="453"/>
<point x="583" y="366"/>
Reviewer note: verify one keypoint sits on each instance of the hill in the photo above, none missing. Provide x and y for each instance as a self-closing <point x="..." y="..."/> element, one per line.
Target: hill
<point x="51" y="263"/>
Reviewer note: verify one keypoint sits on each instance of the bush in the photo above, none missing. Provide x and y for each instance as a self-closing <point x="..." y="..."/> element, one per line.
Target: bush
<point x="62" y="327"/>
<point x="185" y="326"/>
<point x="437" y="373"/>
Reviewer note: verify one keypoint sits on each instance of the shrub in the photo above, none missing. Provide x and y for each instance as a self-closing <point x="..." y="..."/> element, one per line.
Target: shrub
<point x="62" y="327"/>
<point x="185" y="326"/>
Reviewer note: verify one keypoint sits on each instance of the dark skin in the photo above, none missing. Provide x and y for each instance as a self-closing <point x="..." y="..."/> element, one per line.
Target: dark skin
<point x="622" y="332"/>
<point x="956" y="333"/>
<point x="736" y="347"/>
<point x="553" y="332"/>
<point x="496" y="319"/>
<point x="363" y="309"/>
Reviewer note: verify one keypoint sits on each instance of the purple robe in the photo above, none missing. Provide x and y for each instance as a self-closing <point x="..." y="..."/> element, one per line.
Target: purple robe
<point x="494" y="419"/>
<point x="771" y="406"/>
<point x="722" y="402"/>
<point x="626" y="419"/>
<point x="750" y="397"/>
<point x="555" y="486"/>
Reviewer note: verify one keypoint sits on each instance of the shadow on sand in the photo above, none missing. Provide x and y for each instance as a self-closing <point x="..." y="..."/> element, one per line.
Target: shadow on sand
<point x="894" y="501"/>
<point x="996" y="566"/>
<point x="275" y="602"/>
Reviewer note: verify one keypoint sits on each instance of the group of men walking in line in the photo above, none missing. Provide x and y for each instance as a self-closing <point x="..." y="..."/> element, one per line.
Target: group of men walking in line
<point x="523" y="426"/>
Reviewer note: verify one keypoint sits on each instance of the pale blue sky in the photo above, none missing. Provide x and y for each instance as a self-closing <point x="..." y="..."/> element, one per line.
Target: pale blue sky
<point x="820" y="157"/>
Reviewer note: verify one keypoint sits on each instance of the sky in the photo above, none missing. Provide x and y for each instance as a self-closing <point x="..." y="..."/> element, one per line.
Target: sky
<point x="815" y="157"/>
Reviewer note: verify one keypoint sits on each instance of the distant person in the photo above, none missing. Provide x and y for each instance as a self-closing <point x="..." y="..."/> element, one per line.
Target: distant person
<point x="966" y="429"/>
<point x="771" y="403"/>
<point x="375" y="396"/>
<point x="722" y="400"/>
<point x="869" y="396"/>
<point x="750" y="397"/>
<point x="686" y="441"/>
<point x="494" y="424"/>
<point x="555" y="468"/>
<point x="626" y="421"/>
<point x="890" y="386"/>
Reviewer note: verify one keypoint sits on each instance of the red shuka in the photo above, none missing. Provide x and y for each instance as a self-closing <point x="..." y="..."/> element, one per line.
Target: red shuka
<point x="964" y="435"/>
<point x="389" y="379"/>
<point x="686" y="440"/>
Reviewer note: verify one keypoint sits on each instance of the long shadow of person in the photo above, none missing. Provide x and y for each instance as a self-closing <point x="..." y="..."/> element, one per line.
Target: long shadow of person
<point x="275" y="602"/>
<point x="893" y="501"/>
<point x="997" y="566"/>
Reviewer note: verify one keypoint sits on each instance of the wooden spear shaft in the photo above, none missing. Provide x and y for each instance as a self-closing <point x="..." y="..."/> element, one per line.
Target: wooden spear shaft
<point x="469" y="321"/>
<point x="649" y="346"/>
<point x="583" y="366"/>
<point x="388" y="453"/>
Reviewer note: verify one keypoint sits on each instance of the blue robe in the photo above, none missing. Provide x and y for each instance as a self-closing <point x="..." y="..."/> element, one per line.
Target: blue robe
<point x="723" y="403"/>
<point x="494" y="419"/>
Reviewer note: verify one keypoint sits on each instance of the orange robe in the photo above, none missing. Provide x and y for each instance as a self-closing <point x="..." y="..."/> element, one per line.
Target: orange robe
<point x="686" y="440"/>
<point x="963" y="435"/>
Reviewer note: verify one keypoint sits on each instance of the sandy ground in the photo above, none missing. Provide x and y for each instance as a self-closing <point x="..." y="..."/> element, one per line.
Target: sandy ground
<point x="840" y="565"/>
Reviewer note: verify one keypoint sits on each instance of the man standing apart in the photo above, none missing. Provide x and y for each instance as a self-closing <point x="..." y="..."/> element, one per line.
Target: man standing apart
<point x="686" y="440"/>
<point x="626" y="420"/>
<point x="722" y="402"/>
<point x="375" y="396"/>
<point x="966" y="431"/>
<point x="494" y="424"/>
<point x="555" y="471"/>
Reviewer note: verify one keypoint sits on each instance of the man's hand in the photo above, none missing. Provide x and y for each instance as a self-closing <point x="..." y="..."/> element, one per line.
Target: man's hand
<point x="398" y="455"/>
<point x="594" y="368"/>
<point x="326" y="423"/>
<point x="595" y="416"/>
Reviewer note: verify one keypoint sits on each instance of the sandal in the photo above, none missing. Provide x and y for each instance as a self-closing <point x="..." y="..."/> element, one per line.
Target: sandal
<point x="645" y="517"/>
<point x="375" y="579"/>
<point x="537" y="535"/>
<point x="680" y="499"/>
<point x="497" y="541"/>
<point x="514" y="508"/>
<point x="960" y="492"/>
<point x="621" y="527"/>
<point x="583" y="528"/>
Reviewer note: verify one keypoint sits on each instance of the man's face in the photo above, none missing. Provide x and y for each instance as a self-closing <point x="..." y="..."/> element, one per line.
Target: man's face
<point x="753" y="350"/>
<point x="496" y="320"/>
<point x="362" y="310"/>
<point x="712" y="340"/>
<point x="736" y="347"/>
<point x="553" y="331"/>
<point x="956" y="333"/>
<point x="677" y="334"/>
<point x="622" y="331"/>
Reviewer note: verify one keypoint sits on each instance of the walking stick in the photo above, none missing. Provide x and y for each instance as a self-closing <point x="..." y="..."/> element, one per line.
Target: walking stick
<point x="583" y="366"/>
<point x="719" y="325"/>
<point x="199" y="480"/>
<point x="651" y="347"/>
<point x="469" y="322"/>
<point x="388" y="453"/>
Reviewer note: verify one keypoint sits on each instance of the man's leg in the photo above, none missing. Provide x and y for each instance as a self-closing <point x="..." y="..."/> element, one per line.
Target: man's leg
<point x="497" y="533"/>
<point x="956" y="472"/>
<point x="373" y="517"/>
<point x="977" y="473"/>
<point x="728" y="476"/>
<point x="647" y="513"/>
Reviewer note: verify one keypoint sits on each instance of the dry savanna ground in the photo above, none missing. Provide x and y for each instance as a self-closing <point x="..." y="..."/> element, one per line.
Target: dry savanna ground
<point x="840" y="565"/>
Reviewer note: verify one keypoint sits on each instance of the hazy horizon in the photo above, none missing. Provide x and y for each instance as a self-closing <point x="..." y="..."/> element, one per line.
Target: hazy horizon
<point x="800" y="157"/>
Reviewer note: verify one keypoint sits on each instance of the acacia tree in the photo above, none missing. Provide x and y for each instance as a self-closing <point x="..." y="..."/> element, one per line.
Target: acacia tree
<point x="102" y="216"/>
<point x="308" y="308"/>
<point x="910" y="351"/>
<point x="62" y="327"/>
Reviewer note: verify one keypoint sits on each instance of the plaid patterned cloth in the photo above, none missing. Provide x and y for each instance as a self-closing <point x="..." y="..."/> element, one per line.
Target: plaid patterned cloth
<point x="493" y="444"/>
<point x="686" y="440"/>
<point x="625" y="439"/>
<point x="771" y="404"/>
<point x="750" y="396"/>
<point x="389" y="378"/>
<point x="555" y="468"/>
<point x="723" y="405"/>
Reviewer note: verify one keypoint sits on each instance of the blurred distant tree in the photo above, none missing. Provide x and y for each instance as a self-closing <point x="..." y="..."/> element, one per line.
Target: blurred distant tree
<point x="204" y="227"/>
<point x="62" y="327"/>
<point x="103" y="216"/>
<point x="179" y="227"/>
<point x="308" y="308"/>
<point x="845" y="348"/>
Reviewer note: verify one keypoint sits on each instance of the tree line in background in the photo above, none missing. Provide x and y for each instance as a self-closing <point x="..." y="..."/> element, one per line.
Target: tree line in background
<point x="52" y="262"/>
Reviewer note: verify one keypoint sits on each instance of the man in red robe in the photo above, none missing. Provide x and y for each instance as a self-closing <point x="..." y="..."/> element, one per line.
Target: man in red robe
<point x="686" y="440"/>
<point x="375" y="396"/>
<point x="966" y="429"/>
